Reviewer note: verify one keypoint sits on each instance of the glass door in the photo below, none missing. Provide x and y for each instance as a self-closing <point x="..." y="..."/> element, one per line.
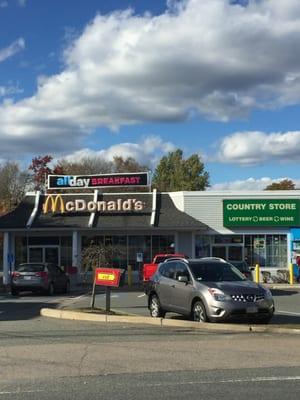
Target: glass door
<point x="219" y="251"/>
<point x="235" y="253"/>
<point x="228" y="252"/>
<point x="35" y="254"/>
<point x="48" y="254"/>
<point x="51" y="255"/>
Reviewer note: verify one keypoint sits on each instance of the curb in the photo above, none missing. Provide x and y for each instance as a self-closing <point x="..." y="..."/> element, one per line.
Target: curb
<point x="162" y="322"/>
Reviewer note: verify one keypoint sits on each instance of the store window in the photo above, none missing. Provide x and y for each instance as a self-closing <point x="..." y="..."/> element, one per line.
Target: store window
<point x="117" y="242"/>
<point x="21" y="249"/>
<point x="202" y="246"/>
<point x="162" y="244"/>
<point x="138" y="244"/>
<point x="228" y="239"/>
<point x="66" y="252"/>
<point x="132" y="245"/>
<point x="266" y="250"/>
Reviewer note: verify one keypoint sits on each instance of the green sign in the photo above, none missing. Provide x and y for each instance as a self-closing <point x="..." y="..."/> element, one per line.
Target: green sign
<point x="261" y="212"/>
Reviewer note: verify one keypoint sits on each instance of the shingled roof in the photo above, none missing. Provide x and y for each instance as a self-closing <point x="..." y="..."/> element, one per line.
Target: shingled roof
<point x="167" y="215"/>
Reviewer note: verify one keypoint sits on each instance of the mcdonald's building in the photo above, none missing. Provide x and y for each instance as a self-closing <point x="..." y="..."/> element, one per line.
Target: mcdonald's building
<point x="262" y="227"/>
<point x="57" y="227"/>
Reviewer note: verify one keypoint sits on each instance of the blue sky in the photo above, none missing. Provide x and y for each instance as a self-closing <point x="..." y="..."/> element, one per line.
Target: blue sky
<point x="142" y="78"/>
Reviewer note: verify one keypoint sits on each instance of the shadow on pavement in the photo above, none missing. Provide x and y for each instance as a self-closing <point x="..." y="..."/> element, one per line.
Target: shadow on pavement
<point x="12" y="310"/>
<point x="285" y="320"/>
<point x="277" y="319"/>
<point x="281" y="292"/>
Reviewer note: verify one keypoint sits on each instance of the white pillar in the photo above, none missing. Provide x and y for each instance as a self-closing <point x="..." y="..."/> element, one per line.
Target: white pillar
<point x="6" y="256"/>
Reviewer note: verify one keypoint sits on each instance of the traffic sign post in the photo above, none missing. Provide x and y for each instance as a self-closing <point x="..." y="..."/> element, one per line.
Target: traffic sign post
<point x="108" y="277"/>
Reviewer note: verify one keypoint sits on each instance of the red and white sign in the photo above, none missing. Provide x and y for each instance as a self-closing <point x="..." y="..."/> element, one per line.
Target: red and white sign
<point x="107" y="276"/>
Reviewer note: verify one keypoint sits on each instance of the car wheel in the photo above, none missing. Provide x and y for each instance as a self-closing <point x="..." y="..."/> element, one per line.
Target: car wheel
<point x="14" y="292"/>
<point x="155" y="308"/>
<point x="50" y="290"/>
<point x="199" y="312"/>
<point x="67" y="288"/>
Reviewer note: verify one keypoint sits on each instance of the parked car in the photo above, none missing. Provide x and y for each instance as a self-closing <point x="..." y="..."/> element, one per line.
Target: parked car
<point x="45" y="277"/>
<point x="243" y="267"/>
<point x="150" y="269"/>
<point x="207" y="289"/>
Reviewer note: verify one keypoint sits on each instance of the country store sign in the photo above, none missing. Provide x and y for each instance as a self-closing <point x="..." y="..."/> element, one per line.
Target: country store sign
<point x="271" y="212"/>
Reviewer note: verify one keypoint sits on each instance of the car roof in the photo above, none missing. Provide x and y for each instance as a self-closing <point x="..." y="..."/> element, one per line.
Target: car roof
<point x="199" y="260"/>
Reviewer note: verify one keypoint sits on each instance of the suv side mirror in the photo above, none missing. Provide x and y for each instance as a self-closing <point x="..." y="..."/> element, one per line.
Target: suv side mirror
<point x="183" y="279"/>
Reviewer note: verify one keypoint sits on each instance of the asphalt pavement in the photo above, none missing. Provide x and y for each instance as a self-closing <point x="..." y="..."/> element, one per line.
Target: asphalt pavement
<point x="134" y="302"/>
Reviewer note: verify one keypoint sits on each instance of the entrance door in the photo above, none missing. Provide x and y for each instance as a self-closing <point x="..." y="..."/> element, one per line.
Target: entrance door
<point x="51" y="255"/>
<point x="35" y="254"/>
<point x="48" y="254"/>
<point x="219" y="251"/>
<point x="228" y="252"/>
<point x="235" y="253"/>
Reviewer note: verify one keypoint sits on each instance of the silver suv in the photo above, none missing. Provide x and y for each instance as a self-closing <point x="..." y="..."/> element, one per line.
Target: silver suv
<point x="207" y="289"/>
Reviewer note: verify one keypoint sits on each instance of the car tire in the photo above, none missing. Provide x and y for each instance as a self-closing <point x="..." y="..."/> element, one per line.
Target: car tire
<point x="50" y="290"/>
<point x="14" y="292"/>
<point x="155" y="308"/>
<point x="199" y="312"/>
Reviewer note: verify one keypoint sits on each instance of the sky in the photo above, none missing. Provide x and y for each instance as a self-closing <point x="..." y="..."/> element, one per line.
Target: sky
<point x="141" y="78"/>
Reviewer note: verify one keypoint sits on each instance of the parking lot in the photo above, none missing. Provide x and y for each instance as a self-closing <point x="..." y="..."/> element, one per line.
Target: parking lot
<point x="287" y="304"/>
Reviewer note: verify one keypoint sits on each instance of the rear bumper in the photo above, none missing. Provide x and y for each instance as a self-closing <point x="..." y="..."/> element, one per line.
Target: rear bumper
<point x="32" y="286"/>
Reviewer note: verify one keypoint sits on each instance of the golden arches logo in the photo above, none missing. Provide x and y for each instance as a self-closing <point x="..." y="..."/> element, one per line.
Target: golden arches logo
<point x="54" y="203"/>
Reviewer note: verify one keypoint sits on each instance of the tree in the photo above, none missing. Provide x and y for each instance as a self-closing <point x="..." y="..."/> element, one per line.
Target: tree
<point x="128" y="164"/>
<point x="13" y="184"/>
<point x="101" y="255"/>
<point x="284" y="184"/>
<point x="40" y="167"/>
<point x="175" y="173"/>
<point x="86" y="166"/>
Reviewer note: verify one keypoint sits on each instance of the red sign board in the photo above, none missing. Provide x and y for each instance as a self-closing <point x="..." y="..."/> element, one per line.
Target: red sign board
<point x="107" y="276"/>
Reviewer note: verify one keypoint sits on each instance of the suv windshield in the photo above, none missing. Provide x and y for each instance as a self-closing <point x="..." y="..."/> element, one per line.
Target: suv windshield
<point x="30" y="268"/>
<point x="215" y="272"/>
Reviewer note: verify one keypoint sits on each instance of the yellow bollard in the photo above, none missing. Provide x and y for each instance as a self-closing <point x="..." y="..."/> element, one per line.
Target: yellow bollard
<point x="291" y="273"/>
<point x="257" y="272"/>
<point x="129" y="275"/>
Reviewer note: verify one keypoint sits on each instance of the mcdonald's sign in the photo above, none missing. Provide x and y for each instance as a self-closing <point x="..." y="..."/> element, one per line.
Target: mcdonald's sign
<point x="54" y="203"/>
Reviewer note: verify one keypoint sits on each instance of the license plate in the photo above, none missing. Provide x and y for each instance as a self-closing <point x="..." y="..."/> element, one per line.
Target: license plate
<point x="251" y="310"/>
<point x="27" y="278"/>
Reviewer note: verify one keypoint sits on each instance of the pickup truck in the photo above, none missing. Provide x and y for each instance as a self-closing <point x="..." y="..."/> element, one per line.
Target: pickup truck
<point x="150" y="269"/>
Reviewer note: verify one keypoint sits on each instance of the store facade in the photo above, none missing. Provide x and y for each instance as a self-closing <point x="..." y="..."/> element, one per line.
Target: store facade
<point x="259" y="227"/>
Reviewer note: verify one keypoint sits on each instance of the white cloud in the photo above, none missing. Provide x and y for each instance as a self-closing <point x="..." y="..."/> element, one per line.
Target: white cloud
<point x="253" y="148"/>
<point x="22" y="3"/>
<point x="10" y="90"/>
<point x="3" y="4"/>
<point x="147" y="152"/>
<point x="12" y="49"/>
<point x="207" y="57"/>
<point x="249" y="184"/>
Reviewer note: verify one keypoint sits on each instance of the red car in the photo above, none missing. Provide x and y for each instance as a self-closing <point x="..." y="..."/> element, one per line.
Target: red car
<point x="150" y="269"/>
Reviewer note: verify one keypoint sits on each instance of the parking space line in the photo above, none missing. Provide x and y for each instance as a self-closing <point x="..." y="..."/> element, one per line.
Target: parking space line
<point x="288" y="313"/>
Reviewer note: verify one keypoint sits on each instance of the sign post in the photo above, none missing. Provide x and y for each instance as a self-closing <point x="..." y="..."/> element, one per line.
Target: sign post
<point x="108" y="277"/>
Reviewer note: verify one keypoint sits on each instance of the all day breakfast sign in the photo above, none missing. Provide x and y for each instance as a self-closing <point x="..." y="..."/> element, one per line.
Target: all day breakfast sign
<point x="271" y="212"/>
